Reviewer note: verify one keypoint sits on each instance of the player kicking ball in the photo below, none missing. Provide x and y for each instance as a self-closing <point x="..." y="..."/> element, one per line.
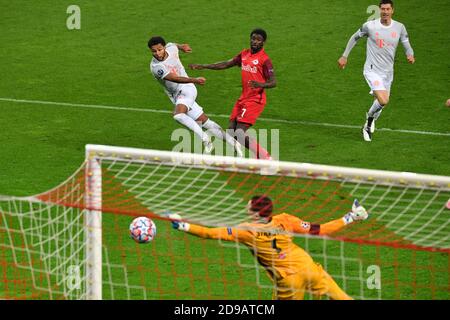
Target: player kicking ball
<point x="169" y="71"/>
<point x="383" y="36"/>
<point x="270" y="239"/>
<point x="257" y="75"/>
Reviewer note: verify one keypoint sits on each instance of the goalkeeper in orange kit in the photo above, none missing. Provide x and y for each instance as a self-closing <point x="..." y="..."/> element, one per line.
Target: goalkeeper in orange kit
<point x="269" y="238"/>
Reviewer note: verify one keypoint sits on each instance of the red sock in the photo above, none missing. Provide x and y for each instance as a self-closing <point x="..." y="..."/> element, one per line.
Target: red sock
<point x="259" y="151"/>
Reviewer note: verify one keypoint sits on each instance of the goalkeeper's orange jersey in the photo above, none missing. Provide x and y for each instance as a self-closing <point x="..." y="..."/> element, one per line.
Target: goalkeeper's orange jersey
<point x="271" y="243"/>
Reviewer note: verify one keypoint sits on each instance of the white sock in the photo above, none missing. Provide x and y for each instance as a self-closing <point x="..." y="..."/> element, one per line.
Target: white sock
<point x="375" y="110"/>
<point x="377" y="114"/>
<point x="218" y="132"/>
<point x="191" y="124"/>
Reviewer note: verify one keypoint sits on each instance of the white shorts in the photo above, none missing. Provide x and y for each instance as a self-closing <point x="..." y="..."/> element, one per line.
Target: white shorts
<point x="378" y="81"/>
<point x="187" y="96"/>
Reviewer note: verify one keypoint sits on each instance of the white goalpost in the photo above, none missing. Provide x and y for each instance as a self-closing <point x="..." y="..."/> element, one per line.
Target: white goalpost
<point x="93" y="218"/>
<point x="72" y="242"/>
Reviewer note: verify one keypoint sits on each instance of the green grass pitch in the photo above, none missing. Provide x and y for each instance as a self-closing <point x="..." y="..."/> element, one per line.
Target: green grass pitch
<point x="106" y="63"/>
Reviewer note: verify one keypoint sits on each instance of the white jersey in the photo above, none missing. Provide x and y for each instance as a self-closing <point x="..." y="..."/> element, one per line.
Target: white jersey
<point x="160" y="69"/>
<point x="382" y="42"/>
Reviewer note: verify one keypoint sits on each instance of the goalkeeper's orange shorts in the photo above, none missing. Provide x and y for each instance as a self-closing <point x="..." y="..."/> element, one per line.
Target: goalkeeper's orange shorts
<point x="314" y="279"/>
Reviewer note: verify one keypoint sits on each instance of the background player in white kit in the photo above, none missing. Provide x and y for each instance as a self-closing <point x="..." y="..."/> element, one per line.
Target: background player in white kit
<point x="383" y="36"/>
<point x="169" y="71"/>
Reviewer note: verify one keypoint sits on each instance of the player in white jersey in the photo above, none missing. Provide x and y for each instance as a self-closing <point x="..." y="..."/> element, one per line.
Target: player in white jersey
<point x="383" y="36"/>
<point x="169" y="71"/>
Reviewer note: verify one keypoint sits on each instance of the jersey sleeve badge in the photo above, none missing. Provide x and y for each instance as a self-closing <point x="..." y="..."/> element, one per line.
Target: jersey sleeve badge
<point x="306" y="225"/>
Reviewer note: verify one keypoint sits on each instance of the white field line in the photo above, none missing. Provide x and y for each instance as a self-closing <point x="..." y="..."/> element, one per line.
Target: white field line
<point x="306" y="123"/>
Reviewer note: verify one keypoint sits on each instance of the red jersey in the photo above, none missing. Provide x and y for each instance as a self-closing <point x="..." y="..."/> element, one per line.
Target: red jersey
<point x="257" y="67"/>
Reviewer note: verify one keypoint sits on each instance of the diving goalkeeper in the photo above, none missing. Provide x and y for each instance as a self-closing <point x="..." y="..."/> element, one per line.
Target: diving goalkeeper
<point x="269" y="238"/>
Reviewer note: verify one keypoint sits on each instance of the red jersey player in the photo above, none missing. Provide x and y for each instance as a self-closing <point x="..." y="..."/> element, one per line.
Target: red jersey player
<point x="257" y="75"/>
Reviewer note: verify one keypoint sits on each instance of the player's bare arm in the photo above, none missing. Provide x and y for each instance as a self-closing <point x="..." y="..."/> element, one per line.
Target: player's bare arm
<point x="178" y="79"/>
<point x="270" y="83"/>
<point x="215" y="66"/>
<point x="184" y="47"/>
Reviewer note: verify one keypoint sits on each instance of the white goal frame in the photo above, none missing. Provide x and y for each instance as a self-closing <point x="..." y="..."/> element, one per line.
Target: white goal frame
<point x="96" y="153"/>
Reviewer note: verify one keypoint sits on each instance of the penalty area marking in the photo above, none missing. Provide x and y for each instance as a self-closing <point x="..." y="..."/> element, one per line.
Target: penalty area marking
<point x="306" y="123"/>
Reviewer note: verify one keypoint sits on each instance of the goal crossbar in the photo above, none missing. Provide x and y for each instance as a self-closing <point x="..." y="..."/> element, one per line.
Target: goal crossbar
<point x="269" y="166"/>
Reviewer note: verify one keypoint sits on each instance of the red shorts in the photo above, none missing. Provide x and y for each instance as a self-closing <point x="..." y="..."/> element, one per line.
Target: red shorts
<point x="246" y="112"/>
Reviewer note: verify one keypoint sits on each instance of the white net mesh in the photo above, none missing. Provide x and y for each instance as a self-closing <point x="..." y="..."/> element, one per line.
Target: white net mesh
<point x="43" y="250"/>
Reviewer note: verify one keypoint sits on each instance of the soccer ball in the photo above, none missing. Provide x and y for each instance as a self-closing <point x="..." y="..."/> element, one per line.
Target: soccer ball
<point x="142" y="230"/>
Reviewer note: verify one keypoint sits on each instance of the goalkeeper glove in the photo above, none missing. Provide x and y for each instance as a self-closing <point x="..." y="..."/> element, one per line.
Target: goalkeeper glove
<point x="177" y="223"/>
<point x="358" y="213"/>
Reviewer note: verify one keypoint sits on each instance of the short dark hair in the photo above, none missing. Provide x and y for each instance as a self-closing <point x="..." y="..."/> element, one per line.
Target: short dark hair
<point x="156" y="40"/>
<point x="261" y="204"/>
<point x="259" y="31"/>
<point x="387" y="2"/>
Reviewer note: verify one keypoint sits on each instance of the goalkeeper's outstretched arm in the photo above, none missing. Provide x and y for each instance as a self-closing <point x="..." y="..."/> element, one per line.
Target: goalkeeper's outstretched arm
<point x="357" y="213"/>
<point x="226" y="234"/>
<point x="210" y="233"/>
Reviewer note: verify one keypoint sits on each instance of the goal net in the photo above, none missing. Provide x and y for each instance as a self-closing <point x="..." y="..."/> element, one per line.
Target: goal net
<point x="73" y="242"/>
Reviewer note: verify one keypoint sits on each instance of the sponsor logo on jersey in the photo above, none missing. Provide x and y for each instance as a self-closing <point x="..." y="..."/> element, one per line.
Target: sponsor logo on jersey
<point x="271" y="233"/>
<point x="264" y="234"/>
<point x="379" y="41"/>
<point x="250" y="69"/>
